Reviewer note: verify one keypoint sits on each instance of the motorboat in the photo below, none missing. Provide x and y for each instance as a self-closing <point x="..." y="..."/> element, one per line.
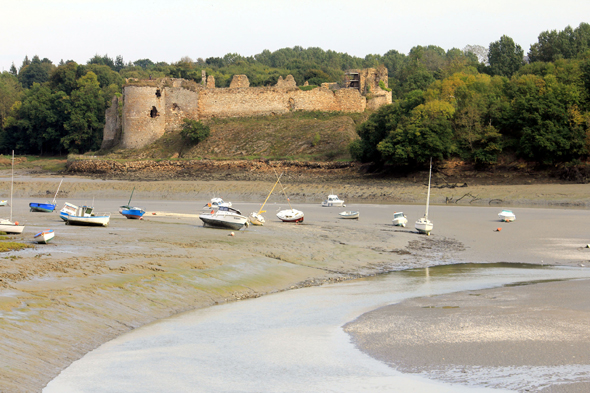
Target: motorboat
<point x="9" y="226"/>
<point x="333" y="200"/>
<point x="506" y="216"/>
<point x="224" y="217"/>
<point x="85" y="215"/>
<point x="131" y="212"/>
<point x="256" y="218"/>
<point x="67" y="210"/>
<point x="3" y="203"/>
<point x="400" y="219"/>
<point x="424" y="225"/>
<point x="45" y="236"/>
<point x="349" y="215"/>
<point x="217" y="203"/>
<point x="290" y="215"/>
<point x="47" y="207"/>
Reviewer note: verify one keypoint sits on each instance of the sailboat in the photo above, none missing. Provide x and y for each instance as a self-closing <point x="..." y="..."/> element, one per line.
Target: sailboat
<point x="45" y="207"/>
<point x="8" y="226"/>
<point x="131" y="211"/>
<point x="256" y="218"/>
<point x="424" y="225"/>
<point x="289" y="215"/>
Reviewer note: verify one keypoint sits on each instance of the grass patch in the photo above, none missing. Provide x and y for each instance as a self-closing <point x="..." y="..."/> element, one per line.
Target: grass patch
<point x="13" y="246"/>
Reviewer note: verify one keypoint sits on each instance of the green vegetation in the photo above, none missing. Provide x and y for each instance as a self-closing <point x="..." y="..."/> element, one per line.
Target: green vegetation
<point x="13" y="246"/>
<point x="476" y="103"/>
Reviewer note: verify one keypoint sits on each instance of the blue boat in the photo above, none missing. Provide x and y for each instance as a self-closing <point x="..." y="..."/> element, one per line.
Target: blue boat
<point x="42" y="207"/>
<point x="131" y="211"/>
<point x="45" y="207"/>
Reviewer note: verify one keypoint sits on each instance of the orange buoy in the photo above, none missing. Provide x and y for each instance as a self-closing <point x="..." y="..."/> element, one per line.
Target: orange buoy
<point x="498" y="229"/>
<point x="153" y="214"/>
<point x="16" y="223"/>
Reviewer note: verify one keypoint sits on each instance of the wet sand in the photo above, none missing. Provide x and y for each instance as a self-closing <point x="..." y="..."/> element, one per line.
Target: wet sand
<point x="61" y="300"/>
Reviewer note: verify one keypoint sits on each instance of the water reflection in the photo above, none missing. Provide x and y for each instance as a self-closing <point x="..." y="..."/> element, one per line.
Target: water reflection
<point x="286" y="342"/>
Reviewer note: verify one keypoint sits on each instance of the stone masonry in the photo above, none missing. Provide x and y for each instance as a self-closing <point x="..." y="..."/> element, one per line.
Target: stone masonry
<point x="151" y="108"/>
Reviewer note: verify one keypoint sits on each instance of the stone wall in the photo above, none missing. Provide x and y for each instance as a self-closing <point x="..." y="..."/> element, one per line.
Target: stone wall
<point x="155" y="107"/>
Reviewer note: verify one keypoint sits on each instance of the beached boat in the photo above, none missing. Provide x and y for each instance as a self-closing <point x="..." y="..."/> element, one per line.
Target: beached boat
<point x="256" y="218"/>
<point x="85" y="215"/>
<point x="349" y="215"/>
<point x="217" y="203"/>
<point x="290" y="215"/>
<point x="3" y="203"/>
<point x="9" y="226"/>
<point x="47" y="207"/>
<point x="399" y="219"/>
<point x="224" y="217"/>
<point x="45" y="236"/>
<point x="131" y="212"/>
<point x="506" y="216"/>
<point x="67" y="210"/>
<point x="333" y="200"/>
<point x="424" y="225"/>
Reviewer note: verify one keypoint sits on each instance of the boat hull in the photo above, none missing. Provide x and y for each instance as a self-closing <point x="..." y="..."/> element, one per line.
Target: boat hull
<point x="12" y="228"/>
<point x="42" y="207"/>
<point x="225" y="221"/>
<point x="424" y="226"/>
<point x="349" y="215"/>
<point x="95" y="221"/>
<point x="290" y="215"/>
<point x="256" y="219"/>
<point x="136" y="213"/>
<point x="45" y="236"/>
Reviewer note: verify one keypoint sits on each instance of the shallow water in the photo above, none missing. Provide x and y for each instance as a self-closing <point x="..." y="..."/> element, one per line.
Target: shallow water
<point x="285" y="342"/>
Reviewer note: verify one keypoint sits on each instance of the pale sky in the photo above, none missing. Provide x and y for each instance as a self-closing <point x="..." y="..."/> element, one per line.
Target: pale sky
<point x="167" y="30"/>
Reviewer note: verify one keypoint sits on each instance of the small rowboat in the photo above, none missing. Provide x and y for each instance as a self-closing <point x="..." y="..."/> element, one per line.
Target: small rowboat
<point x="507" y="216"/>
<point x="45" y="236"/>
<point x="349" y="215"/>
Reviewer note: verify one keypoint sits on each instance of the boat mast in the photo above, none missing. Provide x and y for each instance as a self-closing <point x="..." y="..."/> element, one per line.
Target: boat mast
<point x="273" y="187"/>
<point x="283" y="187"/>
<point x="57" y="191"/>
<point x="11" y="185"/>
<point x="129" y="203"/>
<point x="428" y="194"/>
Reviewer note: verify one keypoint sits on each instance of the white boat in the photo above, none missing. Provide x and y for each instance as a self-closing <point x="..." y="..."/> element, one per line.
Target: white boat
<point x="290" y="215"/>
<point x="224" y="217"/>
<point x="349" y="215"/>
<point x="400" y="219"/>
<point x="333" y="200"/>
<point x="257" y="218"/>
<point x="85" y="215"/>
<point x="506" y="216"/>
<point x="424" y="225"/>
<point x="3" y="203"/>
<point x="8" y="226"/>
<point x="217" y="203"/>
<point x="68" y="209"/>
<point x="45" y="236"/>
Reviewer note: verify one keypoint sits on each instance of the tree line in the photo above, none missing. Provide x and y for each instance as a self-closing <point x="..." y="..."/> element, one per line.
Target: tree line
<point x="475" y="102"/>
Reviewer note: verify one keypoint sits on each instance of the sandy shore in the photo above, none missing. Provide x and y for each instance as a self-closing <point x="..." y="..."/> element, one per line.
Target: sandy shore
<point x="59" y="301"/>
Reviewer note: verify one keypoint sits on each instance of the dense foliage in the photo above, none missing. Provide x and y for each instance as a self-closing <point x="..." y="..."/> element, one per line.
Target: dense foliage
<point x="473" y="103"/>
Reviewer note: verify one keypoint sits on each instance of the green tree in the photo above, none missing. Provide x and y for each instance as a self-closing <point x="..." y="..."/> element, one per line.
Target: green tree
<point x="36" y="72"/>
<point x="505" y="57"/>
<point x="10" y="92"/>
<point x="194" y="132"/>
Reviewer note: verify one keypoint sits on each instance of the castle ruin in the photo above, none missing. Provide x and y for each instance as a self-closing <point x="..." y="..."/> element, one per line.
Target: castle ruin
<point x="148" y="109"/>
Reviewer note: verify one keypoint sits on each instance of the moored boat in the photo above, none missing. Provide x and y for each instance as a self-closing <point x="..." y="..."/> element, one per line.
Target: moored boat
<point x="290" y="215"/>
<point x="224" y="217"/>
<point x="67" y="210"/>
<point x="399" y="219"/>
<point x="8" y="226"/>
<point x="424" y="225"/>
<point x="349" y="215"/>
<point x="257" y="218"/>
<point x="507" y="216"/>
<point x="47" y="207"/>
<point x="45" y="236"/>
<point x="217" y="203"/>
<point x="333" y="200"/>
<point x="131" y="212"/>
<point x="3" y="203"/>
<point x="85" y="215"/>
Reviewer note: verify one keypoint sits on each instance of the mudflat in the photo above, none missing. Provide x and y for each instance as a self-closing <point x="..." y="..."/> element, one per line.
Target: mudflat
<point x="61" y="300"/>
